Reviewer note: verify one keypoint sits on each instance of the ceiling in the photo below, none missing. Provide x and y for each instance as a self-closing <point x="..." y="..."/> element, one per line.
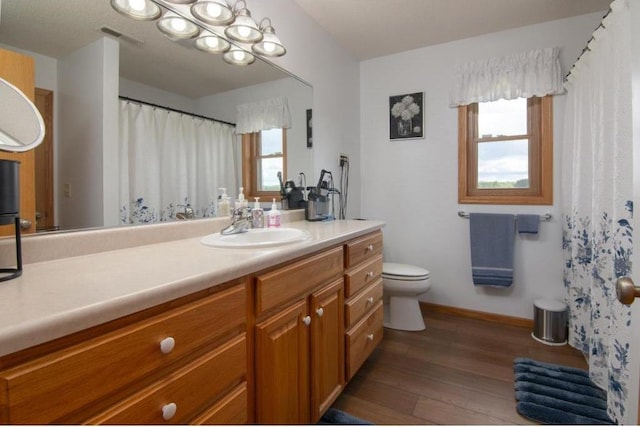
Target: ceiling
<point x="373" y="28"/>
<point x="366" y="28"/>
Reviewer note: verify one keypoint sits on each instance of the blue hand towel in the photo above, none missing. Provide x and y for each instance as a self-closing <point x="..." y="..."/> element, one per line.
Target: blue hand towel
<point x="492" y="238"/>
<point x="528" y="224"/>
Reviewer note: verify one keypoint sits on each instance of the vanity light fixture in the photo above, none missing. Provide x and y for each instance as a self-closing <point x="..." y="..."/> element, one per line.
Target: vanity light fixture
<point x="214" y="24"/>
<point x="142" y="10"/>
<point x="208" y="42"/>
<point x="214" y="12"/>
<point x="176" y="27"/>
<point x="243" y="29"/>
<point x="270" y="45"/>
<point x="237" y="56"/>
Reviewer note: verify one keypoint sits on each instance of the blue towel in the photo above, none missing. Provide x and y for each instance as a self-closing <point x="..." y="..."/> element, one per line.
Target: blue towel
<point x="528" y="224"/>
<point x="492" y="237"/>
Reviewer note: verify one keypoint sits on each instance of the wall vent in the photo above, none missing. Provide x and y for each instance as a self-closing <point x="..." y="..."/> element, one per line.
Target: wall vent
<point x="118" y="35"/>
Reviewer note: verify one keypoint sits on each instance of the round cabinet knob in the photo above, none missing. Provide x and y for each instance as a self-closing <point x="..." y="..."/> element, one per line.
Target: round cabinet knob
<point x="320" y="311"/>
<point x="370" y="300"/>
<point x="370" y="337"/>
<point x="370" y="248"/>
<point x="169" y="410"/>
<point x="25" y="224"/>
<point x="306" y="320"/>
<point x="370" y="274"/>
<point x="167" y="345"/>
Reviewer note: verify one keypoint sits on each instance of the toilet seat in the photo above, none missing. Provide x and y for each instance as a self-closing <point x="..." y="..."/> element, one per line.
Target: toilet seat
<point x="405" y="272"/>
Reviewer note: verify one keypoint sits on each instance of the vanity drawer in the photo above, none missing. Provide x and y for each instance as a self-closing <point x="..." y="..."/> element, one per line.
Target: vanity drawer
<point x="362" y="339"/>
<point x="361" y="276"/>
<point x="363" y="248"/>
<point x="360" y="304"/>
<point x="49" y="387"/>
<point x="175" y="399"/>
<point x="299" y="279"/>
<point x="232" y="409"/>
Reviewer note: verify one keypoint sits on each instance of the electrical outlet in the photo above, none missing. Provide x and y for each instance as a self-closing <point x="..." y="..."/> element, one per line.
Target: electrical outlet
<point x="344" y="159"/>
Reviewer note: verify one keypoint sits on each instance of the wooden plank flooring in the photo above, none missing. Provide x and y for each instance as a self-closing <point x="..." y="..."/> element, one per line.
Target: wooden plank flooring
<point x="457" y="371"/>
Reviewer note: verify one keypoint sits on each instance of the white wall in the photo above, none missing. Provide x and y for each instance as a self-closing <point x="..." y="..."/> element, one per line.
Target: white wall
<point x="86" y="134"/>
<point x="334" y="74"/>
<point x="412" y="184"/>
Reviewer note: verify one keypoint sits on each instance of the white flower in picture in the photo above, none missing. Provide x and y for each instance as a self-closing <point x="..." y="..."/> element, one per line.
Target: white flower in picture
<point x="405" y="109"/>
<point x="405" y="116"/>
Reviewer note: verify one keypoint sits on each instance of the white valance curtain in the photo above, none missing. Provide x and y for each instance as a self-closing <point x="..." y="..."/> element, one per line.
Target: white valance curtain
<point x="521" y="75"/>
<point x="170" y="160"/>
<point x="597" y="170"/>
<point x="268" y="114"/>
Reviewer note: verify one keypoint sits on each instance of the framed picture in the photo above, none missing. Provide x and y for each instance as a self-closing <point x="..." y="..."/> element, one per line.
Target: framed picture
<point x="309" y="129"/>
<point x="406" y="116"/>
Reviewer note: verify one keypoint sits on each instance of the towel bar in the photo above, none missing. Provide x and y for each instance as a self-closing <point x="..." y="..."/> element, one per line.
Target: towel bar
<point x="545" y="217"/>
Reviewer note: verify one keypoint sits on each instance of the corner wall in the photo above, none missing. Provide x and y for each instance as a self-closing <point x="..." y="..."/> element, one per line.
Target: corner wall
<point x="412" y="184"/>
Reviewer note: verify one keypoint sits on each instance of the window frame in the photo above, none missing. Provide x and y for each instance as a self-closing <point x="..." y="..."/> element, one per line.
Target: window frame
<point x="540" y="135"/>
<point x="250" y="156"/>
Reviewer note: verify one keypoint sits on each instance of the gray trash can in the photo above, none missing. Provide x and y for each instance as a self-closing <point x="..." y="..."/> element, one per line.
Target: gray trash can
<point x="549" y="322"/>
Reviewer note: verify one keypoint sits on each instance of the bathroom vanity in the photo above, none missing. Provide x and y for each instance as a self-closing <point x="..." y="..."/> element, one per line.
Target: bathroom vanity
<point x="178" y="332"/>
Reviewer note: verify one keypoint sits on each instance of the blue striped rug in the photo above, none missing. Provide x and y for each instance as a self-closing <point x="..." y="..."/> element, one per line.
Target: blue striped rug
<point x="554" y="394"/>
<point x="336" y="416"/>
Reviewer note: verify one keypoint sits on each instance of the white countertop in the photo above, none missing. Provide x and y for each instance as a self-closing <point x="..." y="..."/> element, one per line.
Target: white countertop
<point x="55" y="298"/>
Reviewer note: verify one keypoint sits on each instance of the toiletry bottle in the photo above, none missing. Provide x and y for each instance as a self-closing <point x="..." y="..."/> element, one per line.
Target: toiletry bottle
<point x="273" y="216"/>
<point x="224" y="208"/>
<point x="257" y="215"/>
<point x="241" y="202"/>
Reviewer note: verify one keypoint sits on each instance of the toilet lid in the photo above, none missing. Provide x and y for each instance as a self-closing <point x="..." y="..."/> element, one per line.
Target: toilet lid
<point x="405" y="271"/>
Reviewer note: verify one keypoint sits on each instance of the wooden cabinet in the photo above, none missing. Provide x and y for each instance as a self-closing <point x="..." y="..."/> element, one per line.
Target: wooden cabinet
<point x="299" y="349"/>
<point x="363" y="304"/>
<point x="130" y="374"/>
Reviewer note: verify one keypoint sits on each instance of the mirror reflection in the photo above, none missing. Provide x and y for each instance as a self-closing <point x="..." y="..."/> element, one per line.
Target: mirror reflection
<point x="86" y="57"/>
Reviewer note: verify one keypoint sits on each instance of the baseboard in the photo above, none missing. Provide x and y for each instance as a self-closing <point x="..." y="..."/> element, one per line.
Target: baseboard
<point x="480" y="315"/>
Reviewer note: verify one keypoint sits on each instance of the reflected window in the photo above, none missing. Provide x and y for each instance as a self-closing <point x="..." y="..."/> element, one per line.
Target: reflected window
<point x="263" y="157"/>
<point x="505" y="152"/>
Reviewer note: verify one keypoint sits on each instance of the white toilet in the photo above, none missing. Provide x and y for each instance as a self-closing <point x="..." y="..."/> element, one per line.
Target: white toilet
<point x="401" y="284"/>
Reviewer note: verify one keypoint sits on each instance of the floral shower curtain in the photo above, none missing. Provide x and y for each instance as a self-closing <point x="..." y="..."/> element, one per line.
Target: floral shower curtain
<point x="597" y="204"/>
<point x="169" y="161"/>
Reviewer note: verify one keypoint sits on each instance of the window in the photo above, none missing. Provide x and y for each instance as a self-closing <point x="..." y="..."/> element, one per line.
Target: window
<point x="505" y="152"/>
<point x="263" y="156"/>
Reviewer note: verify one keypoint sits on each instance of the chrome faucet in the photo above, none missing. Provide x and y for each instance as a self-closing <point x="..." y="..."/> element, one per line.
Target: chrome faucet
<point x="240" y="222"/>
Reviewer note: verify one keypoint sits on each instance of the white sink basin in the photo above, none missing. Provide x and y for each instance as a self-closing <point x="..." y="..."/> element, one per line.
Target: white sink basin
<point x="256" y="238"/>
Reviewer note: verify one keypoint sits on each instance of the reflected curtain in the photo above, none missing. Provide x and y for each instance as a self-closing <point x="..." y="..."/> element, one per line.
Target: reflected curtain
<point x="272" y="113"/>
<point x="170" y="161"/>
<point x="519" y="75"/>
<point x="597" y="204"/>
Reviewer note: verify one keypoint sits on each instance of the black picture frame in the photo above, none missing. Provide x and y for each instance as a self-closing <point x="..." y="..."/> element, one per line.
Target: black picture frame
<point x="406" y="116"/>
<point x="309" y="129"/>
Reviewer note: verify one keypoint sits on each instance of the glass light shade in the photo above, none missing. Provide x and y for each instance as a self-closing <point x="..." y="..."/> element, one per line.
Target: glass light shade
<point x="181" y="1"/>
<point x="237" y="56"/>
<point x="142" y="10"/>
<point x="177" y="27"/>
<point x="270" y="45"/>
<point x="212" y="44"/>
<point x="214" y="12"/>
<point x="244" y="28"/>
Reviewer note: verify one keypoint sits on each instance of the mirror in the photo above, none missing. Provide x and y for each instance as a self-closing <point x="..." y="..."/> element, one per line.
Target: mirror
<point x="87" y="55"/>
<point x="21" y="125"/>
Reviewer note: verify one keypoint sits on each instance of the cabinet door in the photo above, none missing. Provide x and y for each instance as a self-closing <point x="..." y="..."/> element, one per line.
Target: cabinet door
<point x="327" y="347"/>
<point x="282" y="367"/>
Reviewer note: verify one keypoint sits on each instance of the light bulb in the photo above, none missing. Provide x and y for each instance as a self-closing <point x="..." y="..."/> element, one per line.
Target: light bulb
<point x="244" y="31"/>
<point x="238" y="55"/>
<point x="212" y="42"/>
<point x="178" y="24"/>
<point x="269" y="47"/>
<point x="137" y="5"/>
<point x="214" y="10"/>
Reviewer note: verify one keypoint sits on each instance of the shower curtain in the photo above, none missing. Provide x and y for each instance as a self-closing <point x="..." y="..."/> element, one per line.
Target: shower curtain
<point x="170" y="161"/>
<point x="597" y="204"/>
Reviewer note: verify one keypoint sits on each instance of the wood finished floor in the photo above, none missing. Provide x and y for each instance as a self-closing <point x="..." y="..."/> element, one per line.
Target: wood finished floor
<point x="457" y="371"/>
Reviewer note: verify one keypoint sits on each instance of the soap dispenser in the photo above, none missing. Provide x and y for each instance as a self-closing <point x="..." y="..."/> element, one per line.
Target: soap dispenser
<point x="241" y="203"/>
<point x="273" y="216"/>
<point x="224" y="207"/>
<point x="257" y="215"/>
